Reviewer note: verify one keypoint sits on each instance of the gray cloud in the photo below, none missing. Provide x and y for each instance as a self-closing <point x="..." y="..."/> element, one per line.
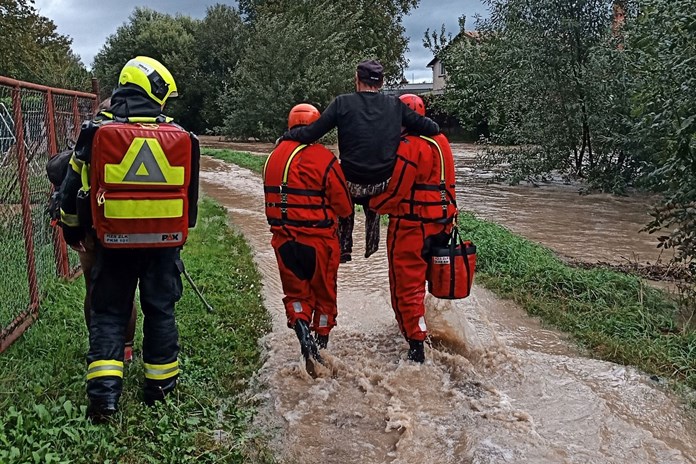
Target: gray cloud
<point x="89" y="23"/>
<point x="432" y="14"/>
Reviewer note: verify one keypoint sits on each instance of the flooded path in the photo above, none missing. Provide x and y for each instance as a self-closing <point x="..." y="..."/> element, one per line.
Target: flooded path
<point x="496" y="386"/>
<point x="591" y="228"/>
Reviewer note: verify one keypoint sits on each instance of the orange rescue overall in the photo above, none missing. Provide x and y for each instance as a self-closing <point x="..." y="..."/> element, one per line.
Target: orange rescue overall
<point x="421" y="204"/>
<point x="305" y="193"/>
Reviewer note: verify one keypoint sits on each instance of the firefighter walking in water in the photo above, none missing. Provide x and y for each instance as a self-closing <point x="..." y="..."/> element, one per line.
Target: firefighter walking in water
<point x="134" y="180"/>
<point x="306" y="193"/>
<point x="421" y="203"/>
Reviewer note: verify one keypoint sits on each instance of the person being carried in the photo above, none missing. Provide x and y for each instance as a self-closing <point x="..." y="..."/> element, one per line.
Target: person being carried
<point x="305" y="193"/>
<point x="134" y="180"/>
<point x="369" y="130"/>
<point x="421" y="203"/>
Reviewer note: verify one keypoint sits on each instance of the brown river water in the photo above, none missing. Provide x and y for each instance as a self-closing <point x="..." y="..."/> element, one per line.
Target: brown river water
<point x="590" y="228"/>
<point x="496" y="387"/>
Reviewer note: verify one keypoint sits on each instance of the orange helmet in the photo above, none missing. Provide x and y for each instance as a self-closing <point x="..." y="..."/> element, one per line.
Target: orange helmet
<point x="414" y="102"/>
<point x="302" y="115"/>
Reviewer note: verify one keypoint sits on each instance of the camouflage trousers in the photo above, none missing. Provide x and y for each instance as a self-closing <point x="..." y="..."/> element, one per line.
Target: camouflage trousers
<point x="361" y="194"/>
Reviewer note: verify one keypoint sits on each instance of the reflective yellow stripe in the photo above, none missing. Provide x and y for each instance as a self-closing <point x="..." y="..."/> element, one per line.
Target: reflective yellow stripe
<point x="144" y="163"/>
<point x="266" y="165"/>
<point x="70" y="220"/>
<point x="442" y="158"/>
<point x="137" y="118"/>
<point x="161" y="371"/>
<point x="76" y="164"/>
<point x="143" y="209"/>
<point x="287" y="165"/>
<point x="161" y="366"/>
<point x="110" y="362"/>
<point x="84" y="175"/>
<point x="161" y="376"/>
<point x="105" y="368"/>
<point x="107" y="373"/>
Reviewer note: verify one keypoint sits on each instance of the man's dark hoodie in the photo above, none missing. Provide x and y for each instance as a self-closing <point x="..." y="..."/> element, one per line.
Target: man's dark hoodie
<point x="369" y="132"/>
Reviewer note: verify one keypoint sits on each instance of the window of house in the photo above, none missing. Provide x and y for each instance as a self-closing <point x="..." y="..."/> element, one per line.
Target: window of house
<point x="442" y="68"/>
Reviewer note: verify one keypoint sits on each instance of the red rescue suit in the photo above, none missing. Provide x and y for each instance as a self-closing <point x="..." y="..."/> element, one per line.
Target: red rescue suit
<point x="306" y="193"/>
<point x="421" y="203"/>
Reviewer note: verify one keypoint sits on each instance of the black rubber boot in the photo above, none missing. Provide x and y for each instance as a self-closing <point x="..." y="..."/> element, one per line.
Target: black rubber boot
<point x="156" y="390"/>
<point x="416" y="351"/>
<point x="100" y="411"/>
<point x="307" y="344"/>
<point x="322" y="341"/>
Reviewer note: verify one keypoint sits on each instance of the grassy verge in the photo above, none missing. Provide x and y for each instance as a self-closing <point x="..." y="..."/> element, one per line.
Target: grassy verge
<point x="614" y="314"/>
<point x="42" y="399"/>
<point x="240" y="158"/>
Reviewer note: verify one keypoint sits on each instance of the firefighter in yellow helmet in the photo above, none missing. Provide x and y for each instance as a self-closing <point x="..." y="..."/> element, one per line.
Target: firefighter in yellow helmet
<point x="133" y="183"/>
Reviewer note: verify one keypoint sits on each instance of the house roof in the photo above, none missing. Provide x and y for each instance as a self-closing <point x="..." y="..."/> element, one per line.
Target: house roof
<point x="417" y="88"/>
<point x="468" y="34"/>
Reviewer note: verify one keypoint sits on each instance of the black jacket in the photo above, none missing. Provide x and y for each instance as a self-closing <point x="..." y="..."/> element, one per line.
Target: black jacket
<point x="369" y="132"/>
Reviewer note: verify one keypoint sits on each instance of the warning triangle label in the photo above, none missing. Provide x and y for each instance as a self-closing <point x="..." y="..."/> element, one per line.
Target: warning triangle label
<point x="145" y="167"/>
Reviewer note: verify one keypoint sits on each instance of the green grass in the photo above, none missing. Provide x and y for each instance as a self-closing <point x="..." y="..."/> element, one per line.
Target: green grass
<point x="42" y="398"/>
<point x="615" y="315"/>
<point x="240" y="158"/>
<point x="14" y="285"/>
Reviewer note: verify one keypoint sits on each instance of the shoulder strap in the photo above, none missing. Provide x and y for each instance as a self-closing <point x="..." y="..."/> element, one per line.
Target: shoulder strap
<point x="442" y="158"/>
<point x="290" y="158"/>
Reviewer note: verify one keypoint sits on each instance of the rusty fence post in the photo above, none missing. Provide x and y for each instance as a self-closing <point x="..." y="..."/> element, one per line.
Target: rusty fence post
<point x="26" y="201"/>
<point x="60" y="249"/>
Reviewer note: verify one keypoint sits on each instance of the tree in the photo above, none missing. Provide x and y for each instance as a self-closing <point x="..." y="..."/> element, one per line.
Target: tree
<point x="662" y="52"/>
<point x="168" y="39"/>
<point x="376" y="27"/>
<point x="532" y="75"/>
<point x="299" y="55"/>
<point x="221" y="41"/>
<point x="32" y="50"/>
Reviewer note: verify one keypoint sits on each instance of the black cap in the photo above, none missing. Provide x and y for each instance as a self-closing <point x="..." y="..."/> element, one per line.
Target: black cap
<point x="371" y="72"/>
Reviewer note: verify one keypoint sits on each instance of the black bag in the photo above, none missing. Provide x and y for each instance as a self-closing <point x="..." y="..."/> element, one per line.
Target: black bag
<point x="57" y="167"/>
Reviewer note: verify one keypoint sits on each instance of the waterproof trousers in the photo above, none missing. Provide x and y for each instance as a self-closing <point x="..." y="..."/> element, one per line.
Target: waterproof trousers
<point x="115" y="276"/>
<point x="408" y="245"/>
<point x="361" y="194"/>
<point x="308" y="262"/>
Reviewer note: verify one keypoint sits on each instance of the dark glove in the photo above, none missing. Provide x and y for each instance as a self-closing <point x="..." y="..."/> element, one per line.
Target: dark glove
<point x="73" y="235"/>
<point x="53" y="207"/>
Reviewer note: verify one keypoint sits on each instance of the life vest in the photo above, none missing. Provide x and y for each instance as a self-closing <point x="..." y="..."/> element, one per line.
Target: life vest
<point x="432" y="197"/>
<point x="139" y="178"/>
<point x="295" y="191"/>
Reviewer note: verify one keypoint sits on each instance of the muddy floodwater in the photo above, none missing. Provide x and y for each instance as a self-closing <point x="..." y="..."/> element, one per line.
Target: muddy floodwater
<point x="496" y="387"/>
<point x="591" y="228"/>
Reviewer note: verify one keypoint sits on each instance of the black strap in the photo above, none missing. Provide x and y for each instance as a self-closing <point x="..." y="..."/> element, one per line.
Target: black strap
<point x="294" y="205"/>
<point x="293" y="191"/>
<point x="427" y="187"/>
<point x="314" y="224"/>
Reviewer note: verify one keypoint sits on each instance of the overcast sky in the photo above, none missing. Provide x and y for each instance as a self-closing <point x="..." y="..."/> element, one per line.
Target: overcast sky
<point x="89" y="22"/>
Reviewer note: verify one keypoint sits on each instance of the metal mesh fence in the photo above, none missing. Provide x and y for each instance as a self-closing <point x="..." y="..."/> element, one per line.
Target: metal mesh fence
<point x="36" y="122"/>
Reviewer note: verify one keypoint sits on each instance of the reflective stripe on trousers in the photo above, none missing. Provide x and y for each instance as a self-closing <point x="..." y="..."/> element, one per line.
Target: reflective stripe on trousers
<point x="105" y="368"/>
<point x="161" y="371"/>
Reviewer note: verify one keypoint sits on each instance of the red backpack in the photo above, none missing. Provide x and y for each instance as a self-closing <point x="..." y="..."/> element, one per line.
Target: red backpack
<point x="139" y="176"/>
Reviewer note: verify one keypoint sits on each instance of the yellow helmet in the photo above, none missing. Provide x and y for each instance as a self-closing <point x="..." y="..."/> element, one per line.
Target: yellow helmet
<point x="151" y="76"/>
